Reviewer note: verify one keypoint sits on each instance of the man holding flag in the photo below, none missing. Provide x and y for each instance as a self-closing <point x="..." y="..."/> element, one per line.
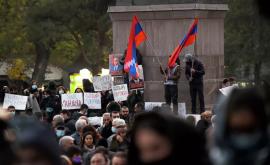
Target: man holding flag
<point x="194" y="74"/>
<point x="194" y="69"/>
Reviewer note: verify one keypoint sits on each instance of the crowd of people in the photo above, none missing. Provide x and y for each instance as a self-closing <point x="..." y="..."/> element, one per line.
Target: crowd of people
<point x="235" y="133"/>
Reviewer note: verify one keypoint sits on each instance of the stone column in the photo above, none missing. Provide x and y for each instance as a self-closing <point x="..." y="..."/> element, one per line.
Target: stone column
<point x="166" y="25"/>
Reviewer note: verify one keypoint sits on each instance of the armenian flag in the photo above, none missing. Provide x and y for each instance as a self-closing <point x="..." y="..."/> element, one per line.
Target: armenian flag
<point x="189" y="39"/>
<point x="136" y="37"/>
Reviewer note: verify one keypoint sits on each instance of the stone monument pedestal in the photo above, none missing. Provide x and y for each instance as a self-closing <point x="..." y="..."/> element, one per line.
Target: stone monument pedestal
<point x="165" y="26"/>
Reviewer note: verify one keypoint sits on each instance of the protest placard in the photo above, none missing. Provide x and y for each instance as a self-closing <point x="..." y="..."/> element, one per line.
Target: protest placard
<point x="19" y="102"/>
<point x="102" y="83"/>
<point x="93" y="100"/>
<point x="72" y="101"/>
<point x="120" y="92"/>
<point x="116" y="69"/>
<point x="182" y="110"/>
<point x="137" y="83"/>
<point x="118" y="80"/>
<point x="148" y="106"/>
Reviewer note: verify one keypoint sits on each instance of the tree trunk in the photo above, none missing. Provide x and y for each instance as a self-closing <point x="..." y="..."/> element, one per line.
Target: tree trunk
<point x="41" y="62"/>
<point x="257" y="72"/>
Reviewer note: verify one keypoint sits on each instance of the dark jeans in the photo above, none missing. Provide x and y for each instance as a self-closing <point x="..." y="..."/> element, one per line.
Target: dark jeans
<point x="171" y="96"/>
<point x="194" y="89"/>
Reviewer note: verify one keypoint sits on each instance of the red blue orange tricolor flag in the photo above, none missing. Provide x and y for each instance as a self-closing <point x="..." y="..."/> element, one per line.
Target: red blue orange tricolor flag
<point x="136" y="37"/>
<point x="189" y="39"/>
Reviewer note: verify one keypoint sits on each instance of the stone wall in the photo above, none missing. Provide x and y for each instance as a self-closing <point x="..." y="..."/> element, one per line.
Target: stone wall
<point x="166" y="25"/>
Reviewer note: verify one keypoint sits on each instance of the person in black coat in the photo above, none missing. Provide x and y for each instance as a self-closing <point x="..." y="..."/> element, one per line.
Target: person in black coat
<point x="194" y="74"/>
<point x="162" y="139"/>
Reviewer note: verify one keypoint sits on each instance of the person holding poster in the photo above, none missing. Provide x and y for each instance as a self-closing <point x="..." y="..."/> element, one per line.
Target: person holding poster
<point x="171" y="77"/>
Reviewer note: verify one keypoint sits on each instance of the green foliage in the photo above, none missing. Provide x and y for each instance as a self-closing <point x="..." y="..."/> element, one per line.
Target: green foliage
<point x="67" y="29"/>
<point x="247" y="35"/>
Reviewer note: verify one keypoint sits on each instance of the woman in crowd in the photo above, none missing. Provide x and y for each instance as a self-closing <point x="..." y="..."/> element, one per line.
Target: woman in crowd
<point x="88" y="143"/>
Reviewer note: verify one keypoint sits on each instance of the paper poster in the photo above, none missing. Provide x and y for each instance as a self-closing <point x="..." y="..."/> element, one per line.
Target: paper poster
<point x="182" y="110"/>
<point x="139" y="82"/>
<point x="120" y="92"/>
<point x="118" y="80"/>
<point x="72" y="101"/>
<point x="116" y="69"/>
<point x="19" y="102"/>
<point x="93" y="100"/>
<point x="102" y="83"/>
<point x="148" y="106"/>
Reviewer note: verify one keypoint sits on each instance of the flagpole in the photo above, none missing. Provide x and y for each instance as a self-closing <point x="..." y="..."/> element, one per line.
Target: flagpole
<point x="194" y="52"/>
<point x="156" y="55"/>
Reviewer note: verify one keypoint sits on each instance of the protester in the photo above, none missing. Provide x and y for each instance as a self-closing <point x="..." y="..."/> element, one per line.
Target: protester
<point x="51" y="104"/>
<point x="171" y="77"/>
<point x="65" y="142"/>
<point x="125" y="114"/>
<point x="74" y="154"/>
<point x="191" y="120"/>
<point x="78" y="90"/>
<point x="117" y="124"/>
<point x="205" y="122"/>
<point x="115" y="115"/>
<point x="119" y="158"/>
<point x="88" y="143"/>
<point x="69" y="122"/>
<point x="100" y="157"/>
<point x="194" y="74"/>
<point x="164" y="139"/>
<point x="241" y="132"/>
<point x="82" y="112"/>
<point x="79" y="125"/>
<point x="36" y="144"/>
<point x="106" y="129"/>
<point x="32" y="102"/>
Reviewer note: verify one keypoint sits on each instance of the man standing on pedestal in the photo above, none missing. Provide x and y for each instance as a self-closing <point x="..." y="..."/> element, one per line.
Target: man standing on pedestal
<point x="194" y="74"/>
<point x="172" y="75"/>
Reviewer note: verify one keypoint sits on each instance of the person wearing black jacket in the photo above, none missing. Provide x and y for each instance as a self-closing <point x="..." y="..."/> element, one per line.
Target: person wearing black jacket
<point x="194" y="74"/>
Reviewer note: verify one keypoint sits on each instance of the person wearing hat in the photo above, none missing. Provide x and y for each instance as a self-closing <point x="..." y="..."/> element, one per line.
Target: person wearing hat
<point x="171" y="77"/>
<point x="194" y="74"/>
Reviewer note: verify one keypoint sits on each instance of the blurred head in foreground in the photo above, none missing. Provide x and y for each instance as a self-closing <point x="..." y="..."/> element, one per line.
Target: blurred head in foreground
<point x="162" y="139"/>
<point x="241" y="132"/>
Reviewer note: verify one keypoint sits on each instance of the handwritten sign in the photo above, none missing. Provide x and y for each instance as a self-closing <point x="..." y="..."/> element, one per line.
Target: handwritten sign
<point x="102" y="83"/>
<point x="120" y="92"/>
<point x="148" y="106"/>
<point x="19" y="102"/>
<point x="72" y="101"/>
<point x="93" y="100"/>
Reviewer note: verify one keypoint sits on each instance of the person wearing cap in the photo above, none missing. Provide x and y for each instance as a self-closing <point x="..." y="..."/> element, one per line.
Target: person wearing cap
<point x="118" y="141"/>
<point x="171" y="77"/>
<point x="194" y="73"/>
